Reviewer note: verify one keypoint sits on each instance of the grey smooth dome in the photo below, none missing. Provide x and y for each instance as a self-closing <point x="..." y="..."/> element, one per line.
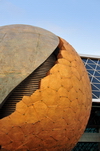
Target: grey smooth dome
<point x="23" y="48"/>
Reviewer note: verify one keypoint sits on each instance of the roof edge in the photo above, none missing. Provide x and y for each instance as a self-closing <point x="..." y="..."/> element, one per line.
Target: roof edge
<point x="89" y="56"/>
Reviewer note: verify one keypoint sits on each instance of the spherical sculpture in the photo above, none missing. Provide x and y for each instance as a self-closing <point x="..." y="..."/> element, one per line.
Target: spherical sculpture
<point x="56" y="97"/>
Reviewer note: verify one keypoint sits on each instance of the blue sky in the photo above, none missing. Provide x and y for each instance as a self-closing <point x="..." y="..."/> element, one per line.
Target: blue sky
<point x="77" y="21"/>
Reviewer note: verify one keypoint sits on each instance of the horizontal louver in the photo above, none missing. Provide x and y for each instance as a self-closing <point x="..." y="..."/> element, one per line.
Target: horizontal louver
<point x="27" y="87"/>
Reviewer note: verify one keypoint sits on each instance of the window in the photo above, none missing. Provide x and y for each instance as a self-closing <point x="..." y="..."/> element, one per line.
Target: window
<point x="93" y="69"/>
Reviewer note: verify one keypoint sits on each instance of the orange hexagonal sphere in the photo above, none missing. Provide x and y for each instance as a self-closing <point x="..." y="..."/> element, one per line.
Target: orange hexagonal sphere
<point x="55" y="116"/>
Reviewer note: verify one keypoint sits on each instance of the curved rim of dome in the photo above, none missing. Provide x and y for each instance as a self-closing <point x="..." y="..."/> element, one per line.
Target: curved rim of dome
<point x="46" y="42"/>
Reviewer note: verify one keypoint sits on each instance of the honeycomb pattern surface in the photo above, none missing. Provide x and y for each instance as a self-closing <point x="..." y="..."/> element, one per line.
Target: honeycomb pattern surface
<point x="54" y="117"/>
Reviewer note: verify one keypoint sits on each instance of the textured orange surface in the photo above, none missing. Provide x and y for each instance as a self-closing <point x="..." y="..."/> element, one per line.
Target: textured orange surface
<point x="54" y="116"/>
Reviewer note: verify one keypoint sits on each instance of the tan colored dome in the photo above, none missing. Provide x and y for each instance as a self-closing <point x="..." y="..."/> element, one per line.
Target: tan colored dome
<point x="55" y="115"/>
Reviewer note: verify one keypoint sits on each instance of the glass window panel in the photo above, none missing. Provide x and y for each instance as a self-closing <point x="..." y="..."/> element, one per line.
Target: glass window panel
<point x="96" y="74"/>
<point x="87" y="146"/>
<point x="98" y="68"/>
<point x="99" y="62"/>
<point x="95" y="80"/>
<point x="92" y="65"/>
<point x="84" y="59"/>
<point x="90" y="71"/>
<point x="91" y="130"/>
<point x="98" y="85"/>
<point x="94" y="96"/>
<point x="93" y="69"/>
<point x="92" y="60"/>
<point x="95" y="60"/>
<point x="98" y="78"/>
<point x="94" y="87"/>
<point x="88" y="67"/>
<point x="97" y="94"/>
